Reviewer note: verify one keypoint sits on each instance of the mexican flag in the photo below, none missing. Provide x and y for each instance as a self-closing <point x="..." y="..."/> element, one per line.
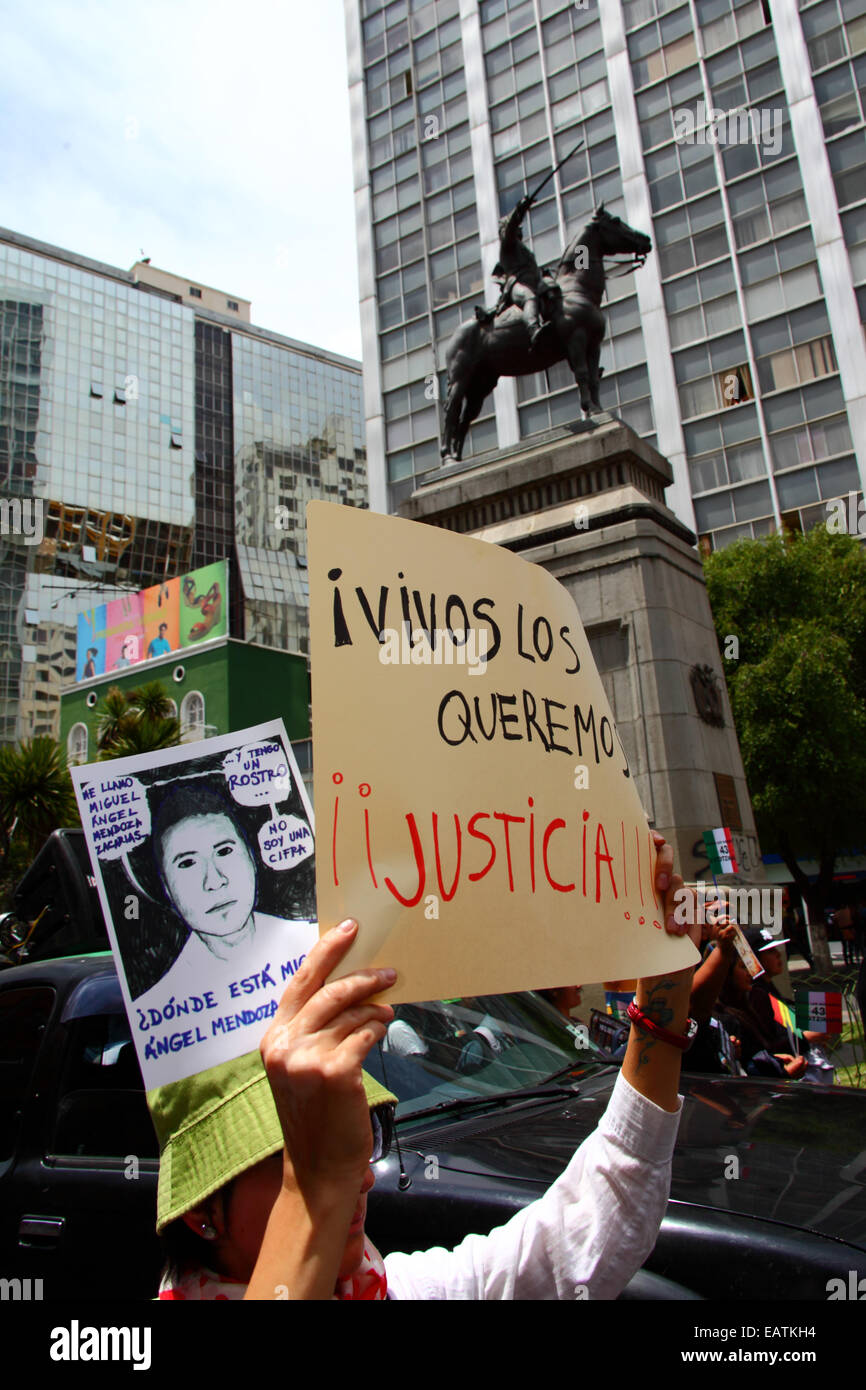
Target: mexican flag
<point x="819" y="1010"/>
<point x="719" y="848"/>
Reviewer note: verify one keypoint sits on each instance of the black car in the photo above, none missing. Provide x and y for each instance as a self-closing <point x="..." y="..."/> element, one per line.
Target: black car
<point x="768" y="1197"/>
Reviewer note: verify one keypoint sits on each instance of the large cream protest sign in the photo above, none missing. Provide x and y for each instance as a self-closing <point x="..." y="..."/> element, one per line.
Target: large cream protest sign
<point x="475" y="806"/>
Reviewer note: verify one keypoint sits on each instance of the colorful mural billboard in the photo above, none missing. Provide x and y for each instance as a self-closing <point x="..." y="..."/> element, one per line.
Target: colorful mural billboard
<point x="165" y="618"/>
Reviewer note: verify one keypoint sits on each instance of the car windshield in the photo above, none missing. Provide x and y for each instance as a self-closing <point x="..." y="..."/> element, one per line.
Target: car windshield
<point x="444" y="1051"/>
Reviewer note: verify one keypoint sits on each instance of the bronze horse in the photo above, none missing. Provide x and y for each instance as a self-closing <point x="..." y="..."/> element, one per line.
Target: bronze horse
<point x="478" y="354"/>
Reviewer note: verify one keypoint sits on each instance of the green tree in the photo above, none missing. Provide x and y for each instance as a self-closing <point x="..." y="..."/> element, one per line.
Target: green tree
<point x="137" y="722"/>
<point x="36" y="797"/>
<point x="797" y="681"/>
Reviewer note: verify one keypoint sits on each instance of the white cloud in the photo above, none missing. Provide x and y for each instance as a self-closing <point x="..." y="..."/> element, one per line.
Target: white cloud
<point x="213" y="136"/>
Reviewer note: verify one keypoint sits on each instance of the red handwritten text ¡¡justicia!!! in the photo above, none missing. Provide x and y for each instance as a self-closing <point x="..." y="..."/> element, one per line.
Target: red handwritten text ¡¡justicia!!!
<point x="528" y="852"/>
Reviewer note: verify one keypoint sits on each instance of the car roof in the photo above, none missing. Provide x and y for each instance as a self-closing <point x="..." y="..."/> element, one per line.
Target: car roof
<point x="62" y="970"/>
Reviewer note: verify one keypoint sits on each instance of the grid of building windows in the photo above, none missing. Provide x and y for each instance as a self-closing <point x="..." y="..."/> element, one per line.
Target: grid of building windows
<point x="115" y="373"/>
<point x="97" y="429"/>
<point x="776" y="268"/>
<point x="757" y="417"/>
<point x="560" y="111"/>
<point x="425" y="229"/>
<point x="732" y="459"/>
<point x="835" y="32"/>
<point x="298" y="434"/>
<point x="428" y="266"/>
<point x="21" y="385"/>
<point x="139" y="438"/>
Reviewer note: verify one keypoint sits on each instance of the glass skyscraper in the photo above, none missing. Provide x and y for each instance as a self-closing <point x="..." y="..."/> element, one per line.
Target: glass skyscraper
<point x="142" y="436"/>
<point x="730" y="130"/>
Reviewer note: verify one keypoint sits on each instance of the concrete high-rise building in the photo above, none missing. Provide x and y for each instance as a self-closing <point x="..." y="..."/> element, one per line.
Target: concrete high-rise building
<point x="147" y="428"/>
<point x="730" y="130"/>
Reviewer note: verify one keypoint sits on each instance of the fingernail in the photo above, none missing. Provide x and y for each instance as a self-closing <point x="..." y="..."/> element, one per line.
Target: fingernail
<point x="670" y="923"/>
<point x="388" y="974"/>
<point x="348" y="926"/>
<point x="664" y="882"/>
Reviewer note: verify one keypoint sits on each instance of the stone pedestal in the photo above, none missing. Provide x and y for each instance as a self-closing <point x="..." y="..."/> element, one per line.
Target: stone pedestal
<point x="588" y="505"/>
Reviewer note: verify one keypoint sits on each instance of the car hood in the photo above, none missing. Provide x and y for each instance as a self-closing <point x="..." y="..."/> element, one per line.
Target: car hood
<point x="774" y="1150"/>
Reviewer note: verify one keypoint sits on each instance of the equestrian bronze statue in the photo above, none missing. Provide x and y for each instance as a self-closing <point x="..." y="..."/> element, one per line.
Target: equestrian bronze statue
<point x="541" y="318"/>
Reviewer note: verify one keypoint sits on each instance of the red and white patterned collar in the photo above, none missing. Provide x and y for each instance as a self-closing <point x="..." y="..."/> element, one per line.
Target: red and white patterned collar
<point x="368" y="1283"/>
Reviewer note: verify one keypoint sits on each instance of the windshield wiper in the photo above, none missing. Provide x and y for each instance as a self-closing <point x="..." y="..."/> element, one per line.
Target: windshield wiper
<point x="497" y="1098"/>
<point x="570" y="1067"/>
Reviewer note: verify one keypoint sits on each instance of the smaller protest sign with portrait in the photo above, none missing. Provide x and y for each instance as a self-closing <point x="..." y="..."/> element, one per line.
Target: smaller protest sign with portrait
<point x="205" y="867"/>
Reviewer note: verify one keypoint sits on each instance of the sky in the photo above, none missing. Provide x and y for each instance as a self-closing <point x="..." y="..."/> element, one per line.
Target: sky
<point x="212" y="137"/>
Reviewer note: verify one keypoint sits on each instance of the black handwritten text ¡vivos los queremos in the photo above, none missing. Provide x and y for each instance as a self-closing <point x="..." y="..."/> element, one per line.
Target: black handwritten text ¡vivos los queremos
<point x="523" y="717"/>
<point x="536" y="639"/>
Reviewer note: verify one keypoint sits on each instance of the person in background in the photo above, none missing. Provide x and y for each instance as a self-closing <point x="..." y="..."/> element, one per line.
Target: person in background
<point x="128" y="653"/>
<point x="564" y="999"/>
<point x="711" y="1052"/>
<point x="761" y="1050"/>
<point x="844" y="922"/>
<point x="766" y="947"/>
<point x="158" y="646"/>
<point x="402" y="1038"/>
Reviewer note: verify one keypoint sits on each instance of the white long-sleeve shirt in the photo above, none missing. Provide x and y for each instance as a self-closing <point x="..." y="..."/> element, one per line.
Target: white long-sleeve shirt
<point x="585" y="1238"/>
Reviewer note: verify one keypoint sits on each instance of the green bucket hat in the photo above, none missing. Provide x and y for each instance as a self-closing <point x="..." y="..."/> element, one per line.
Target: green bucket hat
<point x="216" y="1124"/>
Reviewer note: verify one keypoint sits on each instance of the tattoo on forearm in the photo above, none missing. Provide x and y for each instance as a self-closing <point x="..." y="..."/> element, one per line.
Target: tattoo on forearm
<point x="657" y="1008"/>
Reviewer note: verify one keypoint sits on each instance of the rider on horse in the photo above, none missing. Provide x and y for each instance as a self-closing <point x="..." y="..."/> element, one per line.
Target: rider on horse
<point x="479" y="354"/>
<point x="517" y="271"/>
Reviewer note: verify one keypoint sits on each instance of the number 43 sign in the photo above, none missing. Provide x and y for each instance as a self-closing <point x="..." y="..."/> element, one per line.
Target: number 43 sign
<point x="819" y="1011"/>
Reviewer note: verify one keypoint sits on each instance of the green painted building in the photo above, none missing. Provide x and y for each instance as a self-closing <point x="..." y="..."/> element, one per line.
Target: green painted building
<point x="217" y="687"/>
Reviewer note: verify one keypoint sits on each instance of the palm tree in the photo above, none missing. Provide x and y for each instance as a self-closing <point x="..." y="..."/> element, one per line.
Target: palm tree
<point x="36" y="797"/>
<point x="137" y="722"/>
<point x="152" y="700"/>
<point x="113" y="718"/>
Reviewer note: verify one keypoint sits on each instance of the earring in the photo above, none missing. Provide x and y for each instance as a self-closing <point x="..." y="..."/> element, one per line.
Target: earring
<point x="208" y="1231"/>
